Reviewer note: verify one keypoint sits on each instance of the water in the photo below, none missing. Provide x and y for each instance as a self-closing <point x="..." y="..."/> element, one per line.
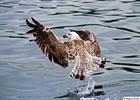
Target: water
<point x="26" y="74"/>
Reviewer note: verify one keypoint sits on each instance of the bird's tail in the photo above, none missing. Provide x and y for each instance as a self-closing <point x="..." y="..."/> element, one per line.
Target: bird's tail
<point x="85" y="67"/>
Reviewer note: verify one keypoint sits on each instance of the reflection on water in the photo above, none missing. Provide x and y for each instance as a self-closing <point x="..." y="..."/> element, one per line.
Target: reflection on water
<point x="26" y="74"/>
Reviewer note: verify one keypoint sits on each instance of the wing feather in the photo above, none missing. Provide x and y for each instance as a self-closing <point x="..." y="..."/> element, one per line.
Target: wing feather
<point x="36" y="22"/>
<point x="31" y="25"/>
<point x="31" y="31"/>
<point x="84" y="34"/>
<point x="91" y="41"/>
<point x="49" y="43"/>
<point x="86" y="51"/>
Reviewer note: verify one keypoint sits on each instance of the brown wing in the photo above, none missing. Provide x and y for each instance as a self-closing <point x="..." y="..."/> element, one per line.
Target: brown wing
<point x="91" y="41"/>
<point x="49" y="43"/>
<point x="85" y="35"/>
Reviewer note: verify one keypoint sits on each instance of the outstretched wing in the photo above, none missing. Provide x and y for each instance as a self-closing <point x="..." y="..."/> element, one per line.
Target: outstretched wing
<point x="49" y="43"/>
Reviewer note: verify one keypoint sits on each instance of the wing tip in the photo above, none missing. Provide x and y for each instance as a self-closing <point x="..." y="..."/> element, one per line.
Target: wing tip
<point x="31" y="25"/>
<point x="27" y="22"/>
<point x="35" y="23"/>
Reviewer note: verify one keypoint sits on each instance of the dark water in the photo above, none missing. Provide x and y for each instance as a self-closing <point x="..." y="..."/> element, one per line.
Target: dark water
<point x="26" y="74"/>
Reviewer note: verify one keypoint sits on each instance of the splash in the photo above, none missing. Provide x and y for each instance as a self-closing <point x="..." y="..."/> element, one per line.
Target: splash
<point x="85" y="89"/>
<point x="88" y="88"/>
<point x="92" y="98"/>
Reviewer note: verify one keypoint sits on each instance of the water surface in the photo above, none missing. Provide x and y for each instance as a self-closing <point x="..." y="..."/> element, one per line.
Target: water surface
<point x="26" y="74"/>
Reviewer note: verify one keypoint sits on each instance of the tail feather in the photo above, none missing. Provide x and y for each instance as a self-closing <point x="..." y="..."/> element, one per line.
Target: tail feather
<point x="85" y="67"/>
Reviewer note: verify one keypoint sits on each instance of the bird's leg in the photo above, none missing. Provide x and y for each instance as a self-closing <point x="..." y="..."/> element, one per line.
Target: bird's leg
<point x="74" y="70"/>
<point x="72" y="74"/>
<point x="78" y="71"/>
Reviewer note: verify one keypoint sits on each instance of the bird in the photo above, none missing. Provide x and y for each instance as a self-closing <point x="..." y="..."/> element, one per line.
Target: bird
<point x="80" y="46"/>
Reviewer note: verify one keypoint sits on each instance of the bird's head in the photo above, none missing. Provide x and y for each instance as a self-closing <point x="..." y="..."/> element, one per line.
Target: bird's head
<point x="71" y="36"/>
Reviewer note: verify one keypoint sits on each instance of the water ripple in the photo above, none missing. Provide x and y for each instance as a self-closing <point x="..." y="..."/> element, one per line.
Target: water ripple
<point x="132" y="56"/>
<point x="122" y="39"/>
<point x="127" y="64"/>
<point x="80" y="25"/>
<point x="113" y="20"/>
<point x="124" y="68"/>
<point x="13" y="37"/>
<point x="42" y="7"/>
<point x="31" y="75"/>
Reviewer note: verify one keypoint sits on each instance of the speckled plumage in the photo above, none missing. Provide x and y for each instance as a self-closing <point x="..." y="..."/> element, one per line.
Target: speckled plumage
<point x="85" y="50"/>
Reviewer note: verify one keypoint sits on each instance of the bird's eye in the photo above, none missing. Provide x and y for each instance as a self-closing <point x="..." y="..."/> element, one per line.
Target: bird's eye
<point x="69" y="34"/>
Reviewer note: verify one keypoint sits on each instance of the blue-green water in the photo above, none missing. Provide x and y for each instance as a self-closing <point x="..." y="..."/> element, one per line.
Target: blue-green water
<point x="26" y="74"/>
